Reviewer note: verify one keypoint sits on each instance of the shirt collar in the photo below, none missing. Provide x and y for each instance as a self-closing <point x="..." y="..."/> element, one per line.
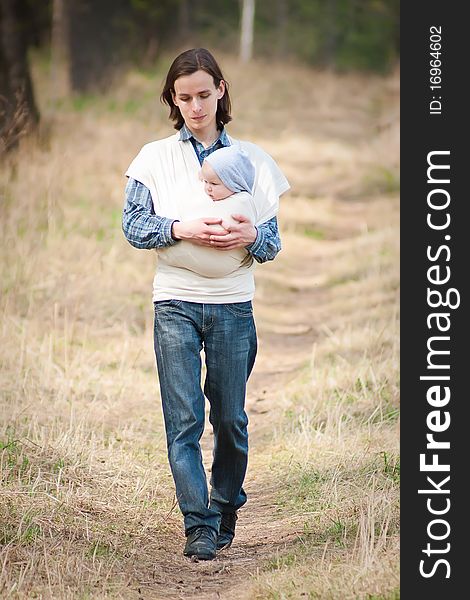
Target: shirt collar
<point x="185" y="134"/>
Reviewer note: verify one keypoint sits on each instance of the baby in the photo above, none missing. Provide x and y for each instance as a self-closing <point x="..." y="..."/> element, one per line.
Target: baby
<point x="228" y="176"/>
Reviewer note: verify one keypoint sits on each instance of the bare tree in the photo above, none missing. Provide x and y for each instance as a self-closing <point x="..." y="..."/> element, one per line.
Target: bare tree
<point x="246" y="30"/>
<point x="60" y="50"/>
<point x="18" y="112"/>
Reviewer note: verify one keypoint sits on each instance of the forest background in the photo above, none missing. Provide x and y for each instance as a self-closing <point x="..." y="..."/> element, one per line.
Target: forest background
<point x="89" y="43"/>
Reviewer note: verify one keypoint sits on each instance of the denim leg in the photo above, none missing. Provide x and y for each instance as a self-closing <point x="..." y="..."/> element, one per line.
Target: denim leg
<point x="230" y="346"/>
<point x="178" y="343"/>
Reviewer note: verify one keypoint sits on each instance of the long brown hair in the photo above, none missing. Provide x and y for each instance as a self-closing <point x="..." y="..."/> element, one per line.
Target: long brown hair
<point x="188" y="62"/>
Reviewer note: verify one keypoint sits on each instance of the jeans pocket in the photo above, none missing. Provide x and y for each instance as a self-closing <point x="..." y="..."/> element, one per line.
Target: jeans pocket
<point x="165" y="305"/>
<point x="240" y="309"/>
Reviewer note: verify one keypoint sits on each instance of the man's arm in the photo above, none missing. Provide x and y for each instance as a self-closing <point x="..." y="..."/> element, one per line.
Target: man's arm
<point x="141" y="226"/>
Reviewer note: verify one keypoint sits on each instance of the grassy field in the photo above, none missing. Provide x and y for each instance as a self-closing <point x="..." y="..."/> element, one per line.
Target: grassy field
<point x="87" y="504"/>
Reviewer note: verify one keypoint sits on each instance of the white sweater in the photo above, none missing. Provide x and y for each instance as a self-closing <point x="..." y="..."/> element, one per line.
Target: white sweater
<point x="169" y="168"/>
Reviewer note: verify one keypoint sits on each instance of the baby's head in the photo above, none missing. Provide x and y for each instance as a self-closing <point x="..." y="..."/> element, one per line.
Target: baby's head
<point x="227" y="171"/>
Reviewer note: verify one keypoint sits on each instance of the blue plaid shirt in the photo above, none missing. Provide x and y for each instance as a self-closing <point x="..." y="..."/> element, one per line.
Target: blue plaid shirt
<point x="144" y="229"/>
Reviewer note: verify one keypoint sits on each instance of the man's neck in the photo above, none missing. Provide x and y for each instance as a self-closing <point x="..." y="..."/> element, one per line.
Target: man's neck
<point x="206" y="138"/>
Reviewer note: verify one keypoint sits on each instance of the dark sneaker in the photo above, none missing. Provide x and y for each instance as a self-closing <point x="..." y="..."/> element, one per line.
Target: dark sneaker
<point x="227" y="530"/>
<point x="201" y="543"/>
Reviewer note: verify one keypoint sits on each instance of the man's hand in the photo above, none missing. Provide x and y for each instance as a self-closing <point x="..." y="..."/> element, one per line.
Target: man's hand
<point x="199" y="231"/>
<point x="242" y="234"/>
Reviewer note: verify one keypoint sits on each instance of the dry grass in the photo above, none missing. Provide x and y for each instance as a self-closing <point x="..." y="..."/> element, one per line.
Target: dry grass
<point x="87" y="502"/>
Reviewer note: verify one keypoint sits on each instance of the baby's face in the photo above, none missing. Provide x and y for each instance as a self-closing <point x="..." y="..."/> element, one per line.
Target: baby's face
<point x="213" y="186"/>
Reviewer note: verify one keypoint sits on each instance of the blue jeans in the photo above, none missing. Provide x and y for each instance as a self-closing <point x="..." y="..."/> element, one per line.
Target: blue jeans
<point x="227" y="334"/>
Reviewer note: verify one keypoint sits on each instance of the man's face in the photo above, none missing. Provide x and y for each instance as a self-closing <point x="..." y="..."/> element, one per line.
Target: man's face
<point x="196" y="96"/>
<point x="213" y="186"/>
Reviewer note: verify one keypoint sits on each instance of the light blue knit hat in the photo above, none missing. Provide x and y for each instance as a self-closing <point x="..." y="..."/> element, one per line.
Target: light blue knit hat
<point x="234" y="168"/>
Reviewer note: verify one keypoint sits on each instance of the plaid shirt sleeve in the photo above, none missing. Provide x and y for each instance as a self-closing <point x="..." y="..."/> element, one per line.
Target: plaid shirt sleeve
<point x="141" y="226"/>
<point x="267" y="243"/>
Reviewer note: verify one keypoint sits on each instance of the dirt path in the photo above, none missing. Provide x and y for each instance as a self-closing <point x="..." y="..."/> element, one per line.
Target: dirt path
<point x="260" y="532"/>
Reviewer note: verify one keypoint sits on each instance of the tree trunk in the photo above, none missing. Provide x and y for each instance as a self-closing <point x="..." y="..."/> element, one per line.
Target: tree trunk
<point x="331" y="34"/>
<point x="246" y="33"/>
<point x="183" y="21"/>
<point x="18" y="112"/>
<point x="60" y="50"/>
<point x="281" y="27"/>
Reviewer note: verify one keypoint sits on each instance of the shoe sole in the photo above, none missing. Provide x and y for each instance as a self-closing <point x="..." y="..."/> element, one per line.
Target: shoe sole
<point x="226" y="547"/>
<point x="196" y="557"/>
